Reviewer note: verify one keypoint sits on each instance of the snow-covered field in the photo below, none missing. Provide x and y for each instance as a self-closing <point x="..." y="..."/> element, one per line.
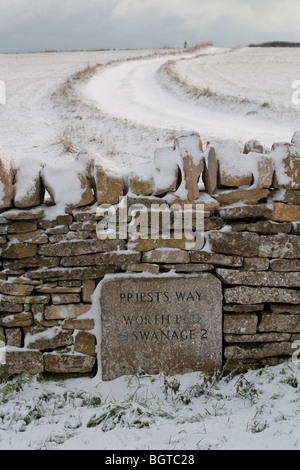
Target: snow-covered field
<point x="123" y="106"/>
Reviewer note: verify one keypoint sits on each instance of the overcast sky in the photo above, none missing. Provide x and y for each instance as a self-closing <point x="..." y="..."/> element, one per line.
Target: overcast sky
<point x="33" y="25"/>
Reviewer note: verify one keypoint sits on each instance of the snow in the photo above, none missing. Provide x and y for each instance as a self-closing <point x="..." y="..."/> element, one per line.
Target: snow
<point x="255" y="410"/>
<point x="125" y="111"/>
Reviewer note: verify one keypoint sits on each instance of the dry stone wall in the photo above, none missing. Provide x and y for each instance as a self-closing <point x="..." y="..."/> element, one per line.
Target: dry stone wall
<point x="52" y="259"/>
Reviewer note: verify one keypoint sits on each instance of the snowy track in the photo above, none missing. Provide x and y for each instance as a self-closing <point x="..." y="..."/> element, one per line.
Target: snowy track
<point x="134" y="91"/>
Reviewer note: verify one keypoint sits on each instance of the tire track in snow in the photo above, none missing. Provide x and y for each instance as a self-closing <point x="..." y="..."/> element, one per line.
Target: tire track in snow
<point x="132" y="91"/>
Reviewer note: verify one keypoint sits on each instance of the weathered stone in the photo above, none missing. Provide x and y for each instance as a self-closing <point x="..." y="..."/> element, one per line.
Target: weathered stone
<point x="88" y="287"/>
<point x="296" y="228"/>
<point x="76" y="248"/>
<point x="116" y="258"/>
<point x="290" y="196"/>
<point x="68" y="363"/>
<point x="69" y="283"/>
<point x="263" y="176"/>
<point x="248" y="196"/>
<point x="140" y="186"/>
<point x="210" y="172"/>
<point x="252" y="295"/>
<point x="18" y="250"/>
<point x="282" y="246"/>
<point x="251" y="278"/>
<point x="240" y="324"/>
<point x="69" y="236"/>
<point x="240" y="244"/>
<point x="83" y="226"/>
<point x="213" y="223"/>
<point x="58" y="299"/>
<point x="296" y="138"/>
<point x="286" y="323"/>
<point x="28" y="190"/>
<point x="256" y="264"/>
<point x="216" y="259"/>
<point x="19" y="214"/>
<point x="51" y="288"/>
<point x="38" y="237"/>
<point x="16" y="320"/>
<point x="8" y="307"/>
<point x="2" y="337"/>
<point x="210" y="205"/>
<point x="91" y="272"/>
<point x="153" y="244"/>
<point x="142" y="267"/>
<point x="286" y="265"/>
<point x="166" y="256"/>
<point x="84" y="214"/>
<point x="51" y="338"/>
<point x="246" y="212"/>
<point x="253" y="146"/>
<point x="258" y="351"/>
<point x="57" y="230"/>
<point x="32" y="262"/>
<point x="257" y="338"/>
<point x="192" y="165"/>
<point x="187" y="268"/>
<point x="109" y="184"/>
<point x="6" y="180"/>
<point x="285" y="308"/>
<point x="79" y="324"/>
<point x="29" y="362"/>
<point x="266" y="227"/>
<point x="85" y="343"/>
<point x="171" y="324"/>
<point x="14" y="337"/>
<point x="61" y="312"/>
<point x="60" y="220"/>
<point x="26" y="299"/>
<point x="233" y="178"/>
<point x="21" y="226"/>
<point x="285" y="212"/>
<point x="10" y="288"/>
<point x="286" y="159"/>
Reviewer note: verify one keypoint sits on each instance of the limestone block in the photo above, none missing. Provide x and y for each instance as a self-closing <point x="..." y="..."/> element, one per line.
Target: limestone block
<point x="140" y="186"/>
<point x="286" y="160"/>
<point x="253" y="146"/>
<point x="280" y="322"/>
<point x="259" y="351"/>
<point x="17" y="320"/>
<point x="18" y="250"/>
<point x="79" y="324"/>
<point x="266" y="227"/>
<point x="108" y="182"/>
<point x="88" y="287"/>
<point x="81" y="247"/>
<point x="50" y="338"/>
<point x="285" y="265"/>
<point x="216" y="259"/>
<point x="240" y="323"/>
<point x="246" y="212"/>
<point x="251" y="278"/>
<point x="281" y="246"/>
<point x="61" y="312"/>
<point x="30" y="362"/>
<point x="285" y="212"/>
<point x="166" y="256"/>
<point x="28" y="190"/>
<point x="14" y="337"/>
<point x="6" y="180"/>
<point x="210" y="172"/>
<point x="192" y="165"/>
<point x="248" y="196"/>
<point x="68" y="363"/>
<point x="85" y="343"/>
<point x="230" y="243"/>
<point x="254" y="295"/>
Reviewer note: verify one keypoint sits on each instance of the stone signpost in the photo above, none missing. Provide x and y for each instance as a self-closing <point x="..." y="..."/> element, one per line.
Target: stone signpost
<point x="161" y="324"/>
